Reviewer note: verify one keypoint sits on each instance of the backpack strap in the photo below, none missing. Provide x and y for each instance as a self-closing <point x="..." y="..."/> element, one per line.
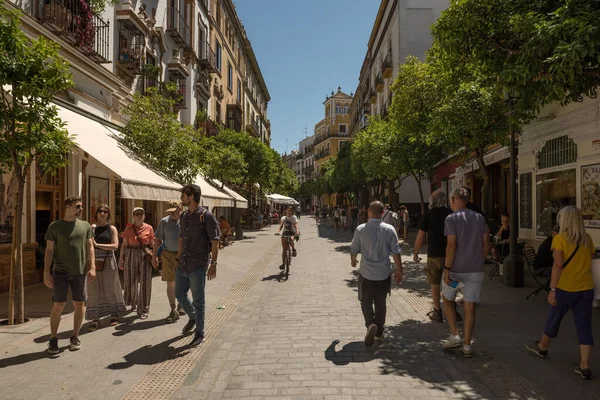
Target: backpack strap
<point x="570" y="258"/>
<point x="201" y="216"/>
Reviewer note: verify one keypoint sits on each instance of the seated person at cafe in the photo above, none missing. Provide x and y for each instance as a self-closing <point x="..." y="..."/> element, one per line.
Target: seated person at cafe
<point x="544" y="258"/>
<point x="502" y="234"/>
<point x="225" y="231"/>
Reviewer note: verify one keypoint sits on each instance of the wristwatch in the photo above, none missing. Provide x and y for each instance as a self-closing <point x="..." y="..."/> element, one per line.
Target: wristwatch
<point x="553" y="289"/>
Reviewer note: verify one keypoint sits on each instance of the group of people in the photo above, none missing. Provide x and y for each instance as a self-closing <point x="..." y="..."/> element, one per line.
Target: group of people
<point x="458" y="244"/>
<point x="82" y="257"/>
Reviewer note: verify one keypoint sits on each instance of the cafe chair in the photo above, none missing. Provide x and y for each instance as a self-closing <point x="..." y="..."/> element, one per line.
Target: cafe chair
<point x="541" y="277"/>
<point x="497" y="262"/>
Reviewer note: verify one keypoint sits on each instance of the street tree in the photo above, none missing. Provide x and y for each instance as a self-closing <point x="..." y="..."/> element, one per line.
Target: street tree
<point x="544" y="51"/>
<point x="31" y="74"/>
<point x="155" y="136"/>
<point x="220" y="161"/>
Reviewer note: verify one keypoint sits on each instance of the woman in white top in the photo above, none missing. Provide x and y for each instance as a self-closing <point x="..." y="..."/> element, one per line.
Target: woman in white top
<point x="289" y="224"/>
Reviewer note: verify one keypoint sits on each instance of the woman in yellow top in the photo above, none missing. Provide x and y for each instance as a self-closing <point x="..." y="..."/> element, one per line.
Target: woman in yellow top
<point x="571" y="287"/>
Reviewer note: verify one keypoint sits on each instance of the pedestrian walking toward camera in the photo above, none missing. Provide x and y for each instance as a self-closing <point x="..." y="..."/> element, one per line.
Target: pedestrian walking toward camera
<point x="70" y="252"/>
<point x="336" y="217"/>
<point x="298" y="211"/>
<point x="571" y="287"/>
<point x="344" y="217"/>
<point x="135" y="259"/>
<point x="167" y="236"/>
<point x="197" y="259"/>
<point x="468" y="244"/>
<point x="376" y="241"/>
<point x="432" y="224"/>
<point x="105" y="296"/>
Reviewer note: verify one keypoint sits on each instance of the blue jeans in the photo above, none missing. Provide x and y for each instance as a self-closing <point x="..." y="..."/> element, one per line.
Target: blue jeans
<point x="196" y="281"/>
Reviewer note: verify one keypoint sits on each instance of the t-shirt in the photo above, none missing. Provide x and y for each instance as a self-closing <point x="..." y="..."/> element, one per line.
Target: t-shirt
<point x="391" y="218"/>
<point x="289" y="224"/>
<point x="224" y="225"/>
<point x="433" y="223"/>
<point x="169" y="231"/>
<point x="577" y="275"/>
<point x="336" y="213"/>
<point x="70" y="245"/>
<point x="354" y="213"/>
<point x="145" y="233"/>
<point x="343" y="212"/>
<point x="468" y="226"/>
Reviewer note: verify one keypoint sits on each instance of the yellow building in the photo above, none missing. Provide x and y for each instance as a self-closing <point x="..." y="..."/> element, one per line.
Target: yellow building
<point x="331" y="133"/>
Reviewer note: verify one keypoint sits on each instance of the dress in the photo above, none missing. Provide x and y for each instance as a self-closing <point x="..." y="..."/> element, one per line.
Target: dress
<point x="105" y="296"/>
<point x="138" y="271"/>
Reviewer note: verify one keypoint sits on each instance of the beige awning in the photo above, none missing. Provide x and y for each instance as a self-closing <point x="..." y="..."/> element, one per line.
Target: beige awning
<point x="240" y="201"/>
<point x="211" y="195"/>
<point x="137" y="181"/>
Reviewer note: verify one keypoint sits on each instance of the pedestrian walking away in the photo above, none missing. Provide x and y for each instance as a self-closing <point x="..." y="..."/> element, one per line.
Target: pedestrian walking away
<point x="105" y="296"/>
<point x="390" y="217"/>
<point x="376" y="241"/>
<point x="70" y="253"/>
<point x="571" y="287"/>
<point x="468" y="244"/>
<point x="354" y="218"/>
<point x="289" y="227"/>
<point x="317" y="215"/>
<point x="298" y="211"/>
<point x="336" y="217"/>
<point x="197" y="259"/>
<point x="432" y="223"/>
<point x="344" y="217"/>
<point x="135" y="259"/>
<point x="167" y="237"/>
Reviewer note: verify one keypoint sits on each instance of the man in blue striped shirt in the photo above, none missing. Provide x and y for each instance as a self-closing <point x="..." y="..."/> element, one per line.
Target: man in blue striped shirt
<point x="376" y="241"/>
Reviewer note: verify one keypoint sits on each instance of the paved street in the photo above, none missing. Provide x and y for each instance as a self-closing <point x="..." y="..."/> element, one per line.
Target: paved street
<point x="300" y="338"/>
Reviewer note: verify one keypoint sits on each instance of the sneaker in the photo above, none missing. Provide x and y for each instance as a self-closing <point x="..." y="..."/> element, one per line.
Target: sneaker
<point x="467" y="351"/>
<point x="294" y="253"/>
<point x="452" y="342"/>
<point x="75" y="344"/>
<point x="436" y="315"/>
<point x="197" y="340"/>
<point x="535" y="349"/>
<point x="370" y="336"/>
<point x="585" y="373"/>
<point x="53" y="346"/>
<point x="180" y="310"/>
<point x="189" y="326"/>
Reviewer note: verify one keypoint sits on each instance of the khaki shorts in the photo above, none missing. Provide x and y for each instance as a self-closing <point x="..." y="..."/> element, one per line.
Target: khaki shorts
<point x="434" y="270"/>
<point x="168" y="266"/>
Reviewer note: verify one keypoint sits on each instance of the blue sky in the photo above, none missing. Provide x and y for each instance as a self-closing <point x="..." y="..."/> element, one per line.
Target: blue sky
<point x="305" y="49"/>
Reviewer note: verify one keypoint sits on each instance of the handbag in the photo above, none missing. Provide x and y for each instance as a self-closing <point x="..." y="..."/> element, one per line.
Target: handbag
<point x="147" y="250"/>
<point x="100" y="264"/>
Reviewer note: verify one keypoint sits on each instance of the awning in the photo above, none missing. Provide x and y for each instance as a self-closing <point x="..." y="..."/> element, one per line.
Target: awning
<point x="280" y="199"/>
<point x="137" y="181"/>
<point x="211" y="195"/>
<point x="240" y="201"/>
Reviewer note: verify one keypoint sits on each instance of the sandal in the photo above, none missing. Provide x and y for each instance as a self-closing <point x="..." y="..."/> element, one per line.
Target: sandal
<point x="173" y="317"/>
<point x="114" y="321"/>
<point x="95" y="324"/>
<point x="144" y="316"/>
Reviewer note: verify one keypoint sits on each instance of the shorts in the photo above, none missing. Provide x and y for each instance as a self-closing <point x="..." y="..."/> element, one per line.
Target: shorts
<point x="473" y="282"/>
<point x="581" y="304"/>
<point x="62" y="281"/>
<point x="434" y="270"/>
<point x="168" y="266"/>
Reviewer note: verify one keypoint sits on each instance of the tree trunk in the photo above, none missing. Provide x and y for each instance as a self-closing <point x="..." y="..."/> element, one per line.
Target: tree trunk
<point x="391" y="191"/>
<point x="418" y="179"/>
<point x="486" y="181"/>
<point x="16" y="301"/>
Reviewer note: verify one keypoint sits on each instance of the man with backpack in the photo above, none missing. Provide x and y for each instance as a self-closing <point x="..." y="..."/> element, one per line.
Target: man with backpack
<point x="197" y="259"/>
<point x="390" y="217"/>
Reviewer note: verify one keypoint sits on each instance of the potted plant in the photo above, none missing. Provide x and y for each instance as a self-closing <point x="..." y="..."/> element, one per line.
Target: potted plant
<point x="85" y="31"/>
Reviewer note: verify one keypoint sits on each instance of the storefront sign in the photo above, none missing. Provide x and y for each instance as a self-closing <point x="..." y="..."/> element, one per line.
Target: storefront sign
<point x="590" y="195"/>
<point x="526" y="205"/>
<point x="596" y="144"/>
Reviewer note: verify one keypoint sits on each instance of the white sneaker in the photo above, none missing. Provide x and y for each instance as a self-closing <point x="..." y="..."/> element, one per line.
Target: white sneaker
<point x="452" y="342"/>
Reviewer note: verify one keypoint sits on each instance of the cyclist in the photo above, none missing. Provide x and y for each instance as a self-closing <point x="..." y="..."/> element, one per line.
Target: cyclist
<point x="289" y="224"/>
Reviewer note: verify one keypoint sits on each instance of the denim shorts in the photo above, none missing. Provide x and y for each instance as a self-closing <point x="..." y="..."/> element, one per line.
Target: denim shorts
<point x="62" y="281"/>
<point x="473" y="282"/>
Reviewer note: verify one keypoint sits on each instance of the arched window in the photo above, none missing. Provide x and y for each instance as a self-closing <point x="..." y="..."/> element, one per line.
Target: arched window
<point x="559" y="151"/>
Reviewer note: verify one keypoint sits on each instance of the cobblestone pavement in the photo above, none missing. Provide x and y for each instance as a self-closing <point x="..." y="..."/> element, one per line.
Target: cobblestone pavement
<point x="302" y="338"/>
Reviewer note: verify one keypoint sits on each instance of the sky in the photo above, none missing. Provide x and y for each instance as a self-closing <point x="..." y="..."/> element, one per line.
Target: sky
<point x="306" y="49"/>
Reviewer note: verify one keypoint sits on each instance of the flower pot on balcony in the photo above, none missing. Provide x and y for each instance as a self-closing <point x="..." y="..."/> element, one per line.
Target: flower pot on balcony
<point x="57" y="15"/>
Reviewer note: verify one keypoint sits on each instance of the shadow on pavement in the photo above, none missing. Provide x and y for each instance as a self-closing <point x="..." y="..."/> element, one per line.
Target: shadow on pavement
<point x="29" y="357"/>
<point x="127" y="326"/>
<point x="343" y="249"/>
<point x="150" y="355"/>
<point x="65" y="335"/>
<point x="353" y="282"/>
<point x="334" y="236"/>
<point x="414" y="279"/>
<point x="353" y="352"/>
<point x="280" y="277"/>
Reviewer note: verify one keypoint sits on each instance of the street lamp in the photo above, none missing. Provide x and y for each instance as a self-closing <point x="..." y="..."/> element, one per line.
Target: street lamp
<point x="514" y="273"/>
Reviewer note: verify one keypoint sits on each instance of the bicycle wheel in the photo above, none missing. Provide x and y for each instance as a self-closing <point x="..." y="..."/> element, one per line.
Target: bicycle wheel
<point x="288" y="261"/>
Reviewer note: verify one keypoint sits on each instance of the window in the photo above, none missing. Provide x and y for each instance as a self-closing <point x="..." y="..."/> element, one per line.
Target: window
<point x="239" y="91"/>
<point x="229" y="76"/>
<point x="342" y="129"/>
<point x="218" y="56"/>
<point x="559" y="151"/>
<point x="218" y="113"/>
<point x="218" y="14"/>
<point x="554" y="190"/>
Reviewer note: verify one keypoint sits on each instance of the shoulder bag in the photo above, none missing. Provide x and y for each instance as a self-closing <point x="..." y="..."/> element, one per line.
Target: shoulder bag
<point x="570" y="257"/>
<point x="147" y="250"/>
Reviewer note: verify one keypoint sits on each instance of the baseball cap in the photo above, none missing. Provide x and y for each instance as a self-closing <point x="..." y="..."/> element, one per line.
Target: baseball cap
<point x="136" y="209"/>
<point x="173" y="205"/>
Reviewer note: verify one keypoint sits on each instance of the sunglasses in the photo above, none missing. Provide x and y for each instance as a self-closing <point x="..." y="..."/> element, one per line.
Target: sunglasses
<point x="102" y="211"/>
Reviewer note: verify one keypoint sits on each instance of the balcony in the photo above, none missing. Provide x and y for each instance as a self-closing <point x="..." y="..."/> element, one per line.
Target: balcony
<point x="253" y="127"/>
<point x="386" y="67"/>
<point x="379" y="83"/>
<point x="76" y="24"/>
<point x="308" y="170"/>
<point x="373" y="96"/>
<point x="323" y="137"/>
<point x="234" y="117"/>
<point x="178" y="28"/>
<point x="208" y="58"/>
<point x="322" y="154"/>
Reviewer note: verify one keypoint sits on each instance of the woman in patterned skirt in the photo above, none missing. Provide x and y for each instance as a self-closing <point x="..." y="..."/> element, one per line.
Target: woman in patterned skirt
<point x="104" y="293"/>
<point x="138" y="239"/>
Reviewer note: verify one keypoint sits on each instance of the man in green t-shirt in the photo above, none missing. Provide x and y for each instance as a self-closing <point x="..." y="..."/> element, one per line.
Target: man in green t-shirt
<point x="69" y="247"/>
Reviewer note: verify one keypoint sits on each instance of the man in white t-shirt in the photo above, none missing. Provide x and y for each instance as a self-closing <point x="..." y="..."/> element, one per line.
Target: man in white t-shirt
<point x="289" y="227"/>
<point x="390" y="217"/>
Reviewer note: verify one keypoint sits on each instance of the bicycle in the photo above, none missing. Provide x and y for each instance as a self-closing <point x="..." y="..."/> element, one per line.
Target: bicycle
<point x="288" y="253"/>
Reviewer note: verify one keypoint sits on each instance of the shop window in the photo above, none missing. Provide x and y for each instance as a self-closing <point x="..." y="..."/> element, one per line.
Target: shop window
<point x="559" y="151"/>
<point x="555" y="190"/>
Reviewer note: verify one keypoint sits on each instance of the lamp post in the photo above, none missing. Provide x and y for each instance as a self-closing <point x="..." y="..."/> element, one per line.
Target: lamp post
<point x="514" y="275"/>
